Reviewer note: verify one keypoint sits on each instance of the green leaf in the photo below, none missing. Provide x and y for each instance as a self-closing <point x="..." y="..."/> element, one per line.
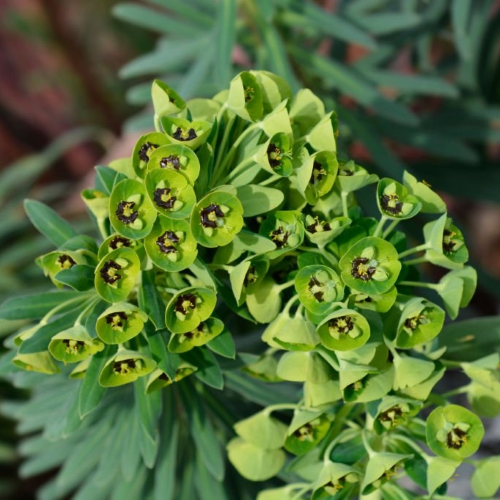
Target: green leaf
<point x="49" y="223"/>
<point x="41" y="339"/>
<point x="223" y="345"/>
<point x="385" y="23"/>
<point x="150" y="300"/>
<point x="153" y="20"/>
<point x="258" y="199"/>
<point x="226" y="33"/>
<point x="461" y="17"/>
<point x="209" y="371"/>
<point x="165" y="470"/>
<point x="91" y="393"/>
<point x="206" y="485"/>
<point x="131" y="457"/>
<point x="34" y="306"/>
<point x="79" y="277"/>
<point x="485" y="479"/>
<point x="205" y="438"/>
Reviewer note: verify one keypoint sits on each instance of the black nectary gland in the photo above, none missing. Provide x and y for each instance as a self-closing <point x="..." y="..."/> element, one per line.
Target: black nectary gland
<point x="274" y="155"/>
<point x="108" y="272"/>
<point x="313" y="282"/>
<point x="143" y="152"/>
<point x="365" y="275"/>
<point x="344" y="328"/>
<point x="185" y="302"/>
<point x="280" y="237"/>
<point x="164" y="192"/>
<point x="166" y="242"/>
<point x="318" y="172"/>
<point x="65" y="261"/>
<point x="119" y="242"/>
<point x="390" y="203"/>
<point x="207" y="219"/>
<point x="180" y="134"/>
<point x="124" y="208"/>
<point x="171" y="161"/>
<point x="116" y="318"/>
<point x="456" y="438"/>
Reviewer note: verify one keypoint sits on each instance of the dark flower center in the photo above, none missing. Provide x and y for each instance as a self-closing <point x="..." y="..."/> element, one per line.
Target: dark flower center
<point x="171" y="161"/>
<point x="65" y="261"/>
<point x="318" y="226"/>
<point x="318" y="172"/>
<point x="392" y="415"/>
<point x="116" y="319"/>
<point x="391" y="204"/>
<point x="342" y="325"/>
<point x="249" y="92"/>
<point x="250" y="277"/>
<point x="210" y="214"/>
<point x="119" y="242"/>
<point x="456" y="438"/>
<point x="109" y="272"/>
<point x="346" y="172"/>
<point x="360" y="270"/>
<point x="184" y="135"/>
<point x="274" y="155"/>
<point x="73" y="346"/>
<point x="126" y="213"/>
<point x="448" y="242"/>
<point x="163" y="198"/>
<point x="316" y="288"/>
<point x="280" y="237"/>
<point x="304" y="433"/>
<point x="199" y="330"/>
<point x="184" y="303"/>
<point x="124" y="367"/>
<point x="167" y="241"/>
<point x="414" y="322"/>
<point x="145" y="149"/>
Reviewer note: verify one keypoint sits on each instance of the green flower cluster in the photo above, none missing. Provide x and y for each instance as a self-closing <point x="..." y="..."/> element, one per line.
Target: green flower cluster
<point x="241" y="205"/>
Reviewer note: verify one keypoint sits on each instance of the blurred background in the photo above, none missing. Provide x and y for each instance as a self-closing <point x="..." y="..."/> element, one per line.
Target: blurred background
<point x="416" y="85"/>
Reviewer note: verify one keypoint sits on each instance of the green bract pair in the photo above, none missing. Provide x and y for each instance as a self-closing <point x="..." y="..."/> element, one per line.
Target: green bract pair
<point x="238" y="217"/>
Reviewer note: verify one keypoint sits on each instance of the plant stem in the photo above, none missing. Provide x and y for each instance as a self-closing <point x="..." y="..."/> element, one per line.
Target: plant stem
<point x="284" y="286"/>
<point x="418" y="248"/>
<point x="56" y="309"/>
<point x="270" y="180"/>
<point x="240" y="168"/>
<point x="91" y="303"/>
<point x="409" y="442"/>
<point x="345" y="208"/>
<point x="390" y="228"/>
<point x="418" y="260"/>
<point x="455" y="392"/>
<point x="380" y="225"/>
<point x="280" y="406"/>
<point x="432" y="286"/>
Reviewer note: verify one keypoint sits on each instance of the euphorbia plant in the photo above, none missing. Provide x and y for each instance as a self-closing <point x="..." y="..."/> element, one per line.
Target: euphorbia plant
<point x="239" y="210"/>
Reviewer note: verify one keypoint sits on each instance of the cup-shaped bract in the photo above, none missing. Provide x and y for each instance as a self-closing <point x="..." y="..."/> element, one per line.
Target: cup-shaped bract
<point x="171" y="245"/>
<point x="274" y="88"/>
<point x="394" y="201"/>
<point x="41" y="362"/>
<point x="124" y="367"/>
<point x="97" y="202"/>
<point x="185" y="132"/>
<point x="217" y="219"/>
<point x="247" y="276"/>
<point x="446" y="244"/>
<point x="319" y="287"/>
<point x="120" y="322"/>
<point x="344" y="330"/>
<point x="245" y="97"/>
<point x="170" y="193"/>
<point x="307" y="436"/>
<point x="321" y="232"/>
<point x="317" y="176"/>
<point x="370" y="266"/>
<point x="262" y="430"/>
<point x="166" y="101"/>
<point x="285" y="229"/>
<point x="176" y="158"/>
<point x="431" y="202"/>
<point x="380" y="303"/>
<point x="393" y="411"/>
<point x="382" y="467"/>
<point x="116" y="241"/>
<point x="206" y="331"/>
<point x="80" y="370"/>
<point x="188" y="308"/>
<point x="55" y="262"/>
<point x="334" y="477"/>
<point x="323" y="134"/>
<point x="453" y="432"/>
<point x="159" y="379"/>
<point x="131" y="212"/>
<point x="457" y="288"/>
<point x="420" y="321"/>
<point x="116" y="274"/>
<point x="144" y="148"/>
<point x="352" y="177"/>
<point x="274" y="155"/>
<point x="74" y="345"/>
<point x="297" y="334"/>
